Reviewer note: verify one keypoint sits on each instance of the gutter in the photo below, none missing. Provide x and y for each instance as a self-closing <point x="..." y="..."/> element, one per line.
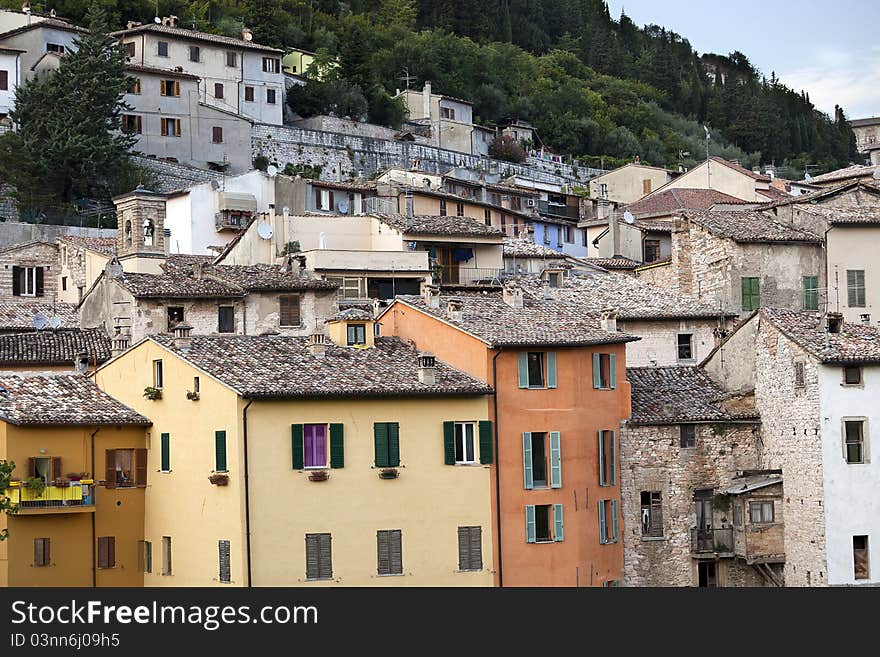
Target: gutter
<point x="247" y="500"/>
<point x="497" y="467"/>
<point x="94" y="530"/>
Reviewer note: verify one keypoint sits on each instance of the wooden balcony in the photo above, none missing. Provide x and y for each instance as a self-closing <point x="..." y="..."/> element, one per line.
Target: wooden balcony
<point x="712" y="542"/>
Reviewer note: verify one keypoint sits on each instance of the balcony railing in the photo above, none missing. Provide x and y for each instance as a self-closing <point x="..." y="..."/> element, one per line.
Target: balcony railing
<point x="445" y="275"/>
<point x="714" y="541"/>
<point x="77" y="494"/>
<point x="555" y="210"/>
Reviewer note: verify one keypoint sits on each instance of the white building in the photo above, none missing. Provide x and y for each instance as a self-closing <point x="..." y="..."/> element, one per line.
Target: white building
<point x="235" y="75"/>
<point x="49" y="35"/>
<point x="816" y="381"/>
<point x="10" y="75"/>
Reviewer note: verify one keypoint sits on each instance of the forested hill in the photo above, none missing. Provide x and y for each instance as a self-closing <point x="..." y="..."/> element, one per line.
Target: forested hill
<point x="592" y="84"/>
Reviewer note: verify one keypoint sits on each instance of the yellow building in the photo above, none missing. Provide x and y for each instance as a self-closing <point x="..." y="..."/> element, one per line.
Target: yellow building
<point x="291" y="461"/>
<point x="79" y="479"/>
<point x="298" y="61"/>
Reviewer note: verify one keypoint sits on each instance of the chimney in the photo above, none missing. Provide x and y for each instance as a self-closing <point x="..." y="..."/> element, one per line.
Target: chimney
<point x="431" y="295"/>
<point x="426" y="100"/>
<point x="118" y="344"/>
<point x="166" y="233"/>
<point x="512" y="294"/>
<point x="410" y="213"/>
<point x="246" y="34"/>
<point x="608" y="320"/>
<point x="198" y="270"/>
<point x="182" y="335"/>
<point x="866" y="318"/>
<point x="614" y="233"/>
<point x="835" y="322"/>
<point x="317" y="344"/>
<point x="454" y="309"/>
<point x="427" y="369"/>
<point x="81" y="363"/>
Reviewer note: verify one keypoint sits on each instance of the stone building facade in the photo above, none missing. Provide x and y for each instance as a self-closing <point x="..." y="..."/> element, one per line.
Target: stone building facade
<point x="29" y="272"/>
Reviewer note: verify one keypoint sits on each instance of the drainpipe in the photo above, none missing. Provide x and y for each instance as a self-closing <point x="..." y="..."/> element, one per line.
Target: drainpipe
<point x="95" y="494"/>
<point x="497" y="467"/>
<point x="247" y="501"/>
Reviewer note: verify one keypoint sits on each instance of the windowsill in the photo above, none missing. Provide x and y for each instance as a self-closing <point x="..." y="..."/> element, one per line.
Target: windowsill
<point x="390" y="574"/>
<point x="687" y="361"/>
<point x="544" y="542"/>
<point x="653" y="539"/>
<point x="468" y="465"/>
<point x="316" y="467"/>
<point x="852" y="385"/>
<point x="319" y="579"/>
<point x="164" y="471"/>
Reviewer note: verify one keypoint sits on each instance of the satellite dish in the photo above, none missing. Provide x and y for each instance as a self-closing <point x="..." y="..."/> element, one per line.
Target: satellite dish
<point x="264" y="230"/>
<point x="40" y="321"/>
<point x="342" y="206"/>
<point x="215" y="184"/>
<point x="808" y="177"/>
<point x="628" y="217"/>
<point x="55" y="323"/>
<point x="272" y="170"/>
<point x="157" y="20"/>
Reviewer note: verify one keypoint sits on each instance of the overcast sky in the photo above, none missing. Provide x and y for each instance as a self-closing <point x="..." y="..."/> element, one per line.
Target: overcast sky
<point x="828" y="49"/>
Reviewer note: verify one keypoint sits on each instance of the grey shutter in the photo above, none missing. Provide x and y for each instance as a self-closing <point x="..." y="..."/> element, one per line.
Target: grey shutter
<point x="531" y="534"/>
<point x="612" y="371"/>
<point x="555" y="460"/>
<point x="312" y="562"/>
<point x="325" y="556"/>
<point x="225" y="574"/>
<point x="475" y="548"/>
<point x="383" y="552"/>
<point x="16" y="281"/>
<point x="523" y="369"/>
<point x="528" y="476"/>
<point x="551" y="369"/>
<point x="612" y="460"/>
<point x="396" y="540"/>
<point x="603" y="527"/>
<point x="602" y="481"/>
<point x="614" y="520"/>
<point x="558" y="524"/>
<point x="464" y="553"/>
<point x="597" y="373"/>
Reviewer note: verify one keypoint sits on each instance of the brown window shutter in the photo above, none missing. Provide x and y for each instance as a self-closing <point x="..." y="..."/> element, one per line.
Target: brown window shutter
<point x="325" y="556"/>
<point x="311" y="556"/>
<point x="40" y="280"/>
<point x="32" y="467"/>
<point x="16" y="281"/>
<point x="332" y="204"/>
<point x="317" y="198"/>
<point x="164" y="128"/>
<point x="102" y="552"/>
<point x="139" y="127"/>
<point x="38" y="552"/>
<point x="396" y="552"/>
<point x="111" y="551"/>
<point x="110" y="468"/>
<point x="140" y="468"/>
<point x="464" y="548"/>
<point x="162" y="87"/>
<point x="56" y="467"/>
<point x="177" y="127"/>
<point x="476" y="548"/>
<point x="383" y="552"/>
<point x="177" y="87"/>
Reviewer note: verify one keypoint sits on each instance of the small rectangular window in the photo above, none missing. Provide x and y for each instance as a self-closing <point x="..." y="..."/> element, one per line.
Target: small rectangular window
<point x="688" y="436"/>
<point x="249" y="94"/>
<point x="131" y="124"/>
<point x="319" y="562"/>
<point x="442" y="207"/>
<point x="685" y="346"/>
<point x="218" y="90"/>
<point x="271" y="65"/>
<point x="389" y="552"/>
<point x="4" y="80"/>
<point x="539" y="460"/>
<point x="170" y="127"/>
<point x="652" y="514"/>
<point x="536" y="369"/>
<point x="231" y="58"/>
<point x="800" y="375"/>
<point x="42" y="552"/>
<point x="157" y="374"/>
<point x="135" y="86"/>
<point x="652" y="250"/>
<point x="470" y="548"/>
<point x="356" y="334"/>
<point x="487" y="217"/>
<point x="315" y="445"/>
<point x="226" y="319"/>
<point x="289" y="310"/>
<point x="852" y="376"/>
<point x="603" y="372"/>
<point x="270" y="96"/>
<point x="761" y="512"/>
<point x="751" y="293"/>
<point x="145" y="556"/>
<point x="106" y="552"/>
<point x="459" y="209"/>
<point x="543" y="530"/>
<point x="465" y="447"/>
<point x="854" y="441"/>
<point x="217" y="135"/>
<point x="175" y="316"/>
<point x="194" y="54"/>
<point x="162" y="49"/>
<point x="811" y="292"/>
<point x="55" y="47"/>
<point x="737" y="514"/>
<point x="166" y="555"/>
<point x="129" y="49"/>
<point x="861" y="569"/>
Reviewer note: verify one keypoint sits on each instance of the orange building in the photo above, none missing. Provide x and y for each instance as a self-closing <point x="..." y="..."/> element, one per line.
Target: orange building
<point x="561" y="393"/>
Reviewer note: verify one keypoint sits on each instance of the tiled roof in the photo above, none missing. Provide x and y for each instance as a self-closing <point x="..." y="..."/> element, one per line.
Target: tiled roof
<point x="848" y="215"/>
<point x="633" y="298"/>
<point x="284" y="367"/>
<point x="61" y="399"/>
<point x="540" y="321"/>
<point x="260" y="278"/>
<point x="47" y="347"/>
<point x="854" y="171"/>
<point x="19" y="315"/>
<point x="436" y="225"/>
<point x="51" y="23"/>
<point x="750" y="226"/>
<point x="613" y="263"/>
<point x="670" y="200"/>
<point x="177" y="284"/>
<point x="24" y="245"/>
<point x="139" y="68"/>
<point x="194" y="36"/>
<point x="173" y="176"/>
<point x="773" y="194"/>
<point x="366" y="185"/>
<point x="856" y="343"/>
<point x="523" y="248"/>
<point x="752" y="482"/>
<point x="103" y="245"/>
<point x="859" y="123"/>
<point x="352" y="315"/>
<point x="674" y="395"/>
<point x="654" y="226"/>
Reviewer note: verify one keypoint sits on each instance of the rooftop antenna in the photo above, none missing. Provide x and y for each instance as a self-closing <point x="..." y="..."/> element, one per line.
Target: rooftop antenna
<point x="406" y="77"/>
<point x="708" y="173"/>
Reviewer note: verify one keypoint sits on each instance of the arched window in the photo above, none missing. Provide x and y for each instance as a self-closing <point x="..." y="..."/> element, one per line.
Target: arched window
<point x="149" y="231"/>
<point x="128" y="232"/>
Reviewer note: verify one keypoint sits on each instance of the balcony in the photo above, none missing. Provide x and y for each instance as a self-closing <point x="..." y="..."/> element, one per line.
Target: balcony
<point x="77" y="497"/>
<point x="231" y="221"/>
<point x="467" y="276"/>
<point x="555" y="210"/>
<point x="366" y="261"/>
<point x="717" y="542"/>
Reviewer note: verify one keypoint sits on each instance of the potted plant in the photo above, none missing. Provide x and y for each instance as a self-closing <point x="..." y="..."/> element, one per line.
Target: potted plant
<point x="152" y="393"/>
<point x="388" y="473"/>
<point x="219" y="479"/>
<point x="62" y="482"/>
<point x="319" y="475"/>
<point x="36" y="485"/>
<point x="77" y="476"/>
<point x="192" y="396"/>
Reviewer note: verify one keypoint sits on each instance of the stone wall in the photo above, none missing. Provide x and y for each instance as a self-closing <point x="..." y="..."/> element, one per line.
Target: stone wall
<point x="8" y="208"/>
<point x="347" y="156"/>
<point x="12" y="232"/>
<point x="652" y="459"/>
<point x="662" y="275"/>
<point x="39" y="254"/>
<point x="658" y="344"/>
<point x="792" y="443"/>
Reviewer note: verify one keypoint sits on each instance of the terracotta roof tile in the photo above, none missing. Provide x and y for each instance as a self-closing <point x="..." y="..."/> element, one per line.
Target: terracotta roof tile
<point x="613" y="263"/>
<point x="19" y="315"/>
<point x="674" y="395"/>
<point x="523" y="248"/>
<point x="60" y="399"/>
<point x="750" y="226"/>
<point x="102" y="245"/>
<point x="437" y="225"/>
<point x="47" y="347"/>
<point x="284" y="367"/>
<point x="670" y="200"/>
<point x="856" y="343"/>
<point x="195" y="36"/>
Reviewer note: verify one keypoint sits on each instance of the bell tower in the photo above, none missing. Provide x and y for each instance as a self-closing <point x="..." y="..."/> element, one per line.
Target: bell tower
<point x="140" y="238"/>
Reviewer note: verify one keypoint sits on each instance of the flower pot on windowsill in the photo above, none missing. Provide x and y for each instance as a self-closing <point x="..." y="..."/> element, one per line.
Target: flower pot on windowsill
<point x="152" y="393"/>
<point x="388" y="473"/>
<point x="192" y="396"/>
<point x="219" y="479"/>
<point x="319" y="475"/>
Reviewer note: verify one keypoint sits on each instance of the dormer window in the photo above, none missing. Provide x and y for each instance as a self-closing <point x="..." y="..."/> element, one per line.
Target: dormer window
<point x="356" y="334"/>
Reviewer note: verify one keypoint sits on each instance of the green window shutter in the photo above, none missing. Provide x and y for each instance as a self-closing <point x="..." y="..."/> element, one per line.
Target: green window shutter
<point x="523" y="369"/>
<point x="166" y="452"/>
<point x="614" y="517"/>
<point x="528" y="479"/>
<point x="485" y="442"/>
<point x="380" y="440"/>
<point x="393" y="444"/>
<point x="531" y="534"/>
<point x="337" y="446"/>
<point x="597" y="373"/>
<point x="603" y="534"/>
<point x="449" y="442"/>
<point x="220" y="451"/>
<point x="296" y="444"/>
<point x="551" y="369"/>
<point x="811" y="293"/>
<point x="602" y="481"/>
<point x="612" y="458"/>
<point x="555" y="460"/>
<point x="558" y="524"/>
<point x="612" y="371"/>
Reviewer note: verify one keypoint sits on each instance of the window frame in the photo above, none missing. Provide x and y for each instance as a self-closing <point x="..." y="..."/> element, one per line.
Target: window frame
<point x="271" y="96"/>
<point x="811" y="294"/>
<point x="867" y="553"/>
<point x="800" y="374"/>
<point x="216" y="134"/>
<point x="167" y="569"/>
<point x="542" y="364"/>
<point x="289" y="298"/>
<point x="683" y="439"/>
<point x="249" y="94"/>
<point x="306" y="451"/>
<point x="463" y="436"/>
<point x="158" y="374"/>
<point x="42" y="552"/>
<point x="761" y="507"/>
<point x="549" y="537"/>
<point x="234" y="59"/>
<point x="220" y="324"/>
<point x="360" y="331"/>
<point x="853" y="384"/>
<point x="474" y="536"/>
<point x="109" y="552"/>
<point x="29" y="282"/>
<point x="159" y="45"/>
<point x="863" y="443"/>
<point x="754" y="298"/>
<point x="198" y="54"/>
<point x="649" y="530"/>
<point x="318" y="538"/>
<point x="690" y="346"/>
<point x="853" y="288"/>
<point x="390" y="535"/>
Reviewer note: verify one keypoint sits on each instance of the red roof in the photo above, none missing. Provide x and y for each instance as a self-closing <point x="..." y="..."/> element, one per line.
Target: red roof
<point x="667" y="202"/>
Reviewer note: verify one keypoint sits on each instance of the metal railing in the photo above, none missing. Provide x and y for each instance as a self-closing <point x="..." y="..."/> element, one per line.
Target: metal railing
<point x="717" y="541"/>
<point x="446" y="275"/>
<point x="51" y="496"/>
<point x="563" y="211"/>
